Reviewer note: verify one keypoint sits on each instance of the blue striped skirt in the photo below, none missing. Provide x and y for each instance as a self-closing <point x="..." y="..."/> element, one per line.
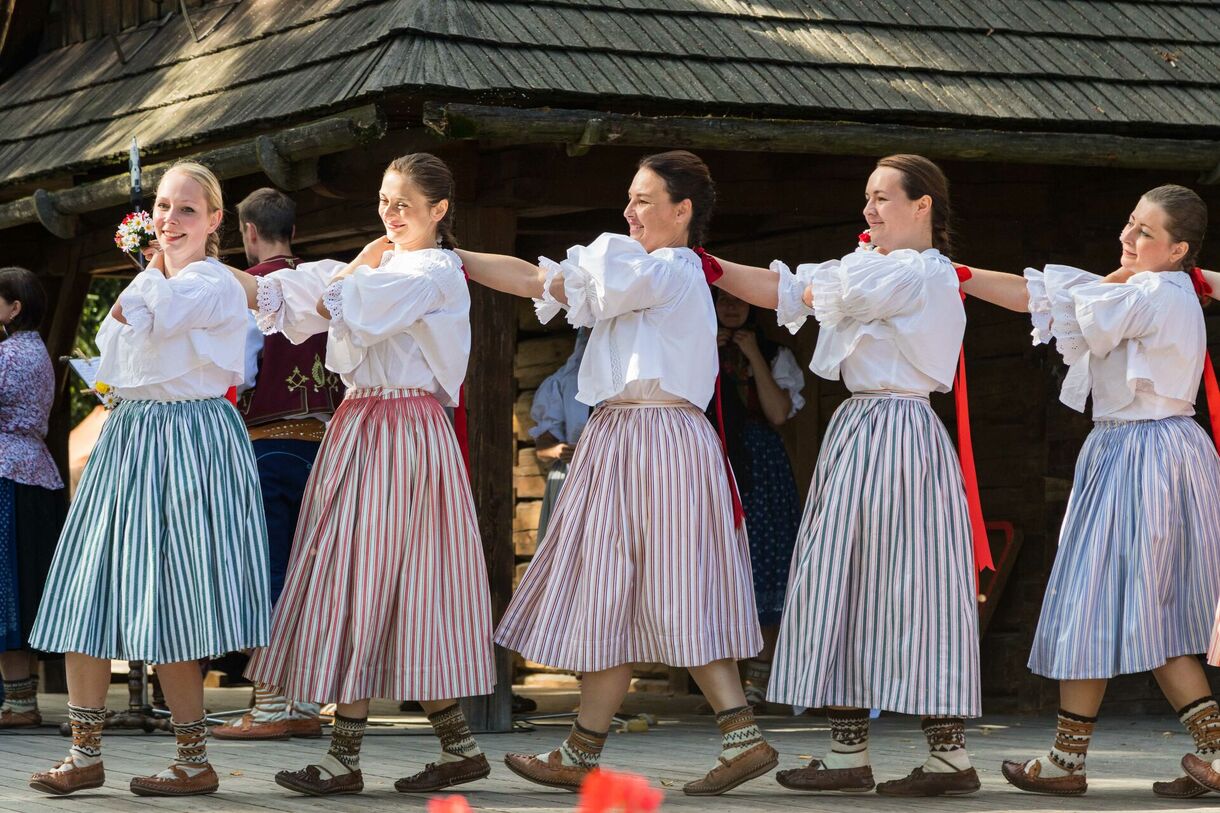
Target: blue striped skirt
<point x="881" y="608"/>
<point x="164" y="554"/>
<point x="1137" y="574"/>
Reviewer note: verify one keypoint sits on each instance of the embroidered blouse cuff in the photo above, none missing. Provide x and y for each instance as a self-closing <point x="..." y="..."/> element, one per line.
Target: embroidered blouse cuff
<point x="792" y="310"/>
<point x="270" y="300"/>
<point x="1039" y="305"/>
<point x="332" y="298"/>
<point x="548" y="307"/>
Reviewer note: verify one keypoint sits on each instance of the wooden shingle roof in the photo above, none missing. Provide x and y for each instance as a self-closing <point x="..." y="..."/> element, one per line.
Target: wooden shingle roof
<point x="1136" y="67"/>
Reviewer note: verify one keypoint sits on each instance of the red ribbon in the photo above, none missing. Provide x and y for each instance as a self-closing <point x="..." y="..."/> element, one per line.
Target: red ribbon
<point x="713" y="272"/>
<point x="1210" y="387"/>
<point x="965" y="453"/>
<point x="231" y="395"/>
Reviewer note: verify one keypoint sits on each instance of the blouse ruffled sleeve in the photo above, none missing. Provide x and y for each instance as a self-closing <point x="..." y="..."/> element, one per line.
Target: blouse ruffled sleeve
<point x="370" y="306"/>
<point x="792" y="311"/>
<point x="163" y="307"/>
<point x="1053" y="312"/>
<point x="1109" y="314"/>
<point x="611" y="276"/>
<point x="288" y="300"/>
<point x="548" y="307"/>
<point x="906" y="297"/>
<point x="790" y="378"/>
<point x="1039" y="306"/>
<point x="867" y="287"/>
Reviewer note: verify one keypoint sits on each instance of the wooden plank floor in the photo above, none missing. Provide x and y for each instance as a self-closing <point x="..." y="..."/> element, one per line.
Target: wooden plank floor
<point x="1128" y="753"/>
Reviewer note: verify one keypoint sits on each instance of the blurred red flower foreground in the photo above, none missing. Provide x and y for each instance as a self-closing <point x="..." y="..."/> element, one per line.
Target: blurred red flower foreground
<point x="602" y="792"/>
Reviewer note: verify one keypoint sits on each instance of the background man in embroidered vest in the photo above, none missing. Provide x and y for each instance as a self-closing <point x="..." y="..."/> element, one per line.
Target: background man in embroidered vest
<point x="292" y="395"/>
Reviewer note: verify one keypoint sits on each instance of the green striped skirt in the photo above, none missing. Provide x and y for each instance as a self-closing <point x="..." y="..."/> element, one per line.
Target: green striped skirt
<point x="164" y="554"/>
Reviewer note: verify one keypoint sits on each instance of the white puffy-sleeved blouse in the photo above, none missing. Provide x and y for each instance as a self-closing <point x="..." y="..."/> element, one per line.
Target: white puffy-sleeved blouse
<point x="403" y="324"/>
<point x="888" y="322"/>
<point x="184" y="338"/>
<point x="652" y="318"/>
<point x="1137" y="347"/>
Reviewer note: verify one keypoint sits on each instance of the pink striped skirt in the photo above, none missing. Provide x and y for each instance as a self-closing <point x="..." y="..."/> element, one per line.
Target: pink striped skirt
<point x="641" y="560"/>
<point x="386" y="594"/>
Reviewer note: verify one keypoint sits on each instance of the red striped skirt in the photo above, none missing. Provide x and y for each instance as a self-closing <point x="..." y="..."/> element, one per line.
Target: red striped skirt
<point x="386" y="594"/>
<point x="641" y="560"/>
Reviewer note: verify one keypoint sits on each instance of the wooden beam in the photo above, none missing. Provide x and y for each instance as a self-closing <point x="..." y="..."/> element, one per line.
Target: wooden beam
<point x="52" y="219"/>
<point x="581" y="129"/>
<point x="490" y="392"/>
<point x="344" y="131"/>
<point x="288" y="175"/>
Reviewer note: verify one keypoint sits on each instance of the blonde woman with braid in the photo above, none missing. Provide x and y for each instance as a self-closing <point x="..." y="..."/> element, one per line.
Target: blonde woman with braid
<point x="164" y="555"/>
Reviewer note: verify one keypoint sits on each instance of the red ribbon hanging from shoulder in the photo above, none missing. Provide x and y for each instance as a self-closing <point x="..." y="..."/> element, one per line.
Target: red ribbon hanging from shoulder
<point x="965" y="453"/>
<point x="712" y="272"/>
<point x="1210" y="387"/>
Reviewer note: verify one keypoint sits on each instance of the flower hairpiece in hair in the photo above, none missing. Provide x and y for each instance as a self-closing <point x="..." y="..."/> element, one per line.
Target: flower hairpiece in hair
<point x="135" y="232"/>
<point x="866" y="241"/>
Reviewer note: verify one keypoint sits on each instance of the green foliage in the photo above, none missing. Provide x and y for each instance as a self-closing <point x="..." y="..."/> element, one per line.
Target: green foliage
<point x="103" y="291"/>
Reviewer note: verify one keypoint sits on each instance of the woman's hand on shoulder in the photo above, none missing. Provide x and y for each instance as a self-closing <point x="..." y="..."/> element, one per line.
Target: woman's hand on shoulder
<point x="370" y="255"/>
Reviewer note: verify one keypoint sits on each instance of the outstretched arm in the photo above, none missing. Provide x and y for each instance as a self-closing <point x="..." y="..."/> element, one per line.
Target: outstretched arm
<point x="509" y="274"/>
<point x="758" y="286"/>
<point x="999" y="288"/>
<point x="249" y="284"/>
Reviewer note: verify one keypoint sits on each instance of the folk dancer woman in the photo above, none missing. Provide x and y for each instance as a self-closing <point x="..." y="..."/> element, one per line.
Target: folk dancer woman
<point x="386" y="593"/>
<point x="164" y="554"/>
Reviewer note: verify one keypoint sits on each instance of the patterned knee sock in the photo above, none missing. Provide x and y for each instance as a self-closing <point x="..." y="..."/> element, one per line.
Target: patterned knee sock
<point x="1071" y="745"/>
<point x="192" y="758"/>
<point x="738" y="731"/>
<point x="457" y="743"/>
<point x="849" y="739"/>
<point x="344" y="754"/>
<point x="582" y="748"/>
<point x="1202" y="719"/>
<point x="946" y="744"/>
<point x="21" y="696"/>
<point x="86" y="737"/>
<point x="269" y="704"/>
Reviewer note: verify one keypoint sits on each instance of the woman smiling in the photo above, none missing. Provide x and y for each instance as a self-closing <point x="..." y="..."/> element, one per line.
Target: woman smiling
<point x="880" y="612"/>
<point x="386" y="593"/>
<point x="1137" y="572"/>
<point x="645" y="557"/>
<point x="164" y="556"/>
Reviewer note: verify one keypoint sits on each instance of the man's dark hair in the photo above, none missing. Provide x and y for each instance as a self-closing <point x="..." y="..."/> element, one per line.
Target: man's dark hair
<point x="272" y="212"/>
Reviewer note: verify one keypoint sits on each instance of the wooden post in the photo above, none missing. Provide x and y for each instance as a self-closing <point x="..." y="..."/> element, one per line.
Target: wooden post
<point x="61" y="327"/>
<point x="490" y="392"/>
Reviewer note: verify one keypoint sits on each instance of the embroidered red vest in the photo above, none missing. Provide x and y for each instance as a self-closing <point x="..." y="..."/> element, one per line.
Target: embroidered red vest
<point x="292" y="378"/>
